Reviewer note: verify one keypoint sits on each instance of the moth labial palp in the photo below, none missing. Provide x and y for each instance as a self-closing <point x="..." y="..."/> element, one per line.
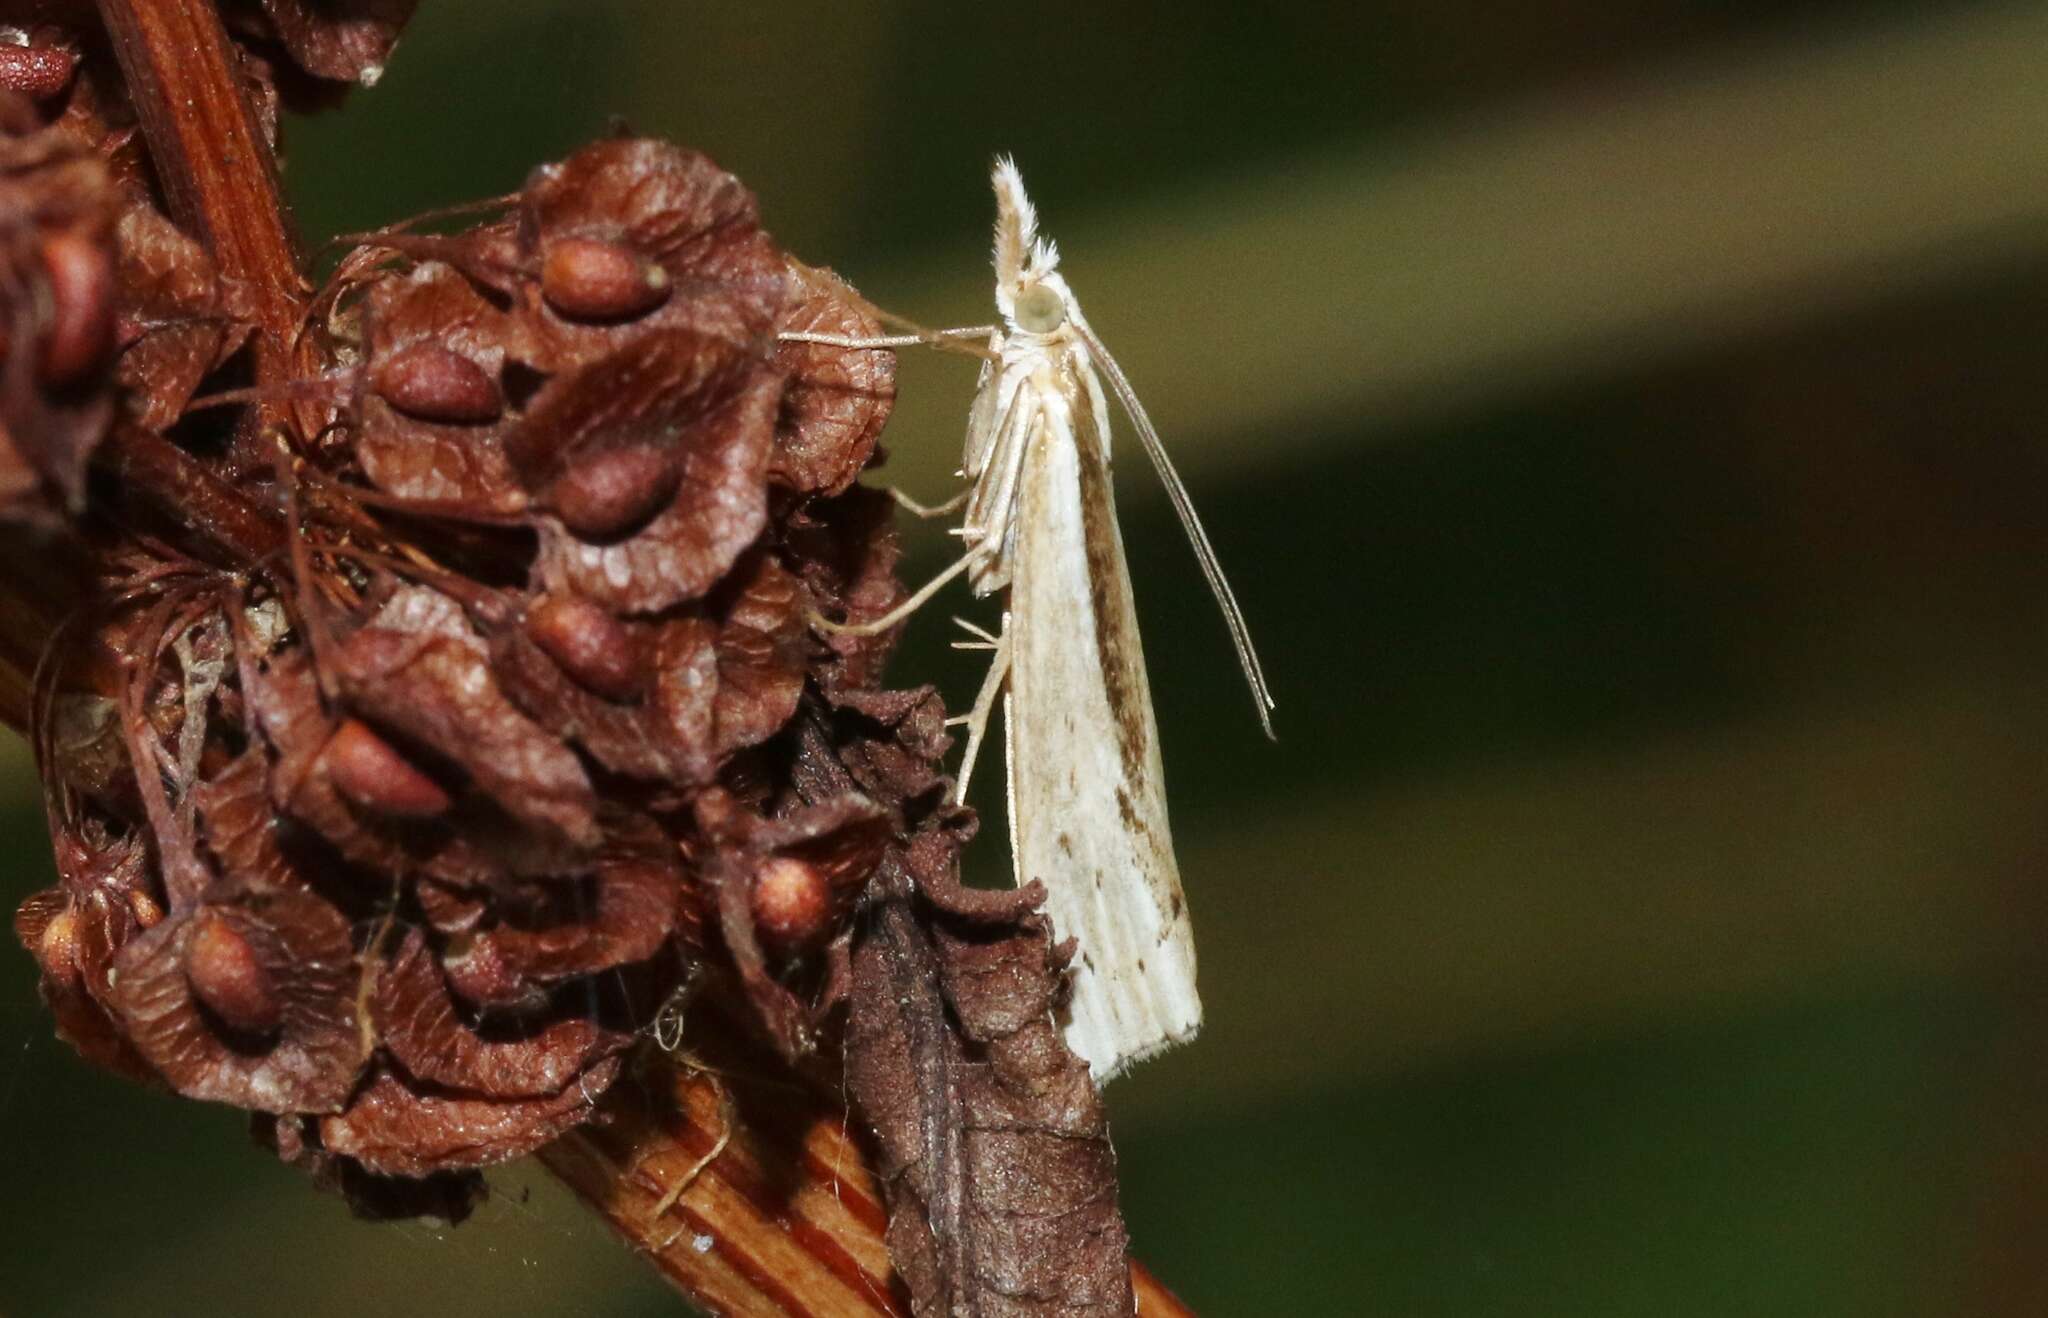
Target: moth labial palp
<point x="1087" y="799"/>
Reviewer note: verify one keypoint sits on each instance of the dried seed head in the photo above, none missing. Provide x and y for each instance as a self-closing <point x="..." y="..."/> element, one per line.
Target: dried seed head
<point x="369" y="772"/>
<point x="623" y="380"/>
<point x="792" y="902"/>
<point x="607" y="495"/>
<point x="589" y="279"/>
<point x="227" y="976"/>
<point x="81" y="275"/>
<point x="435" y="383"/>
<point x="592" y="647"/>
<point x="37" y="72"/>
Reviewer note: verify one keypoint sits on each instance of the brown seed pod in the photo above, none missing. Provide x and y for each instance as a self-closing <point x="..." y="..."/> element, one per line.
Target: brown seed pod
<point x="227" y="976"/>
<point x="37" y="72"/>
<point x="81" y="275"/>
<point x="435" y="383"/>
<point x="369" y="772"/>
<point x="591" y="646"/>
<point x="590" y="279"/>
<point x="792" y="902"/>
<point x="607" y="495"/>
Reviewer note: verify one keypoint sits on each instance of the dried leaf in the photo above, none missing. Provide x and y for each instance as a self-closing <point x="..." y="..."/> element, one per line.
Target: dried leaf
<point x="174" y="322"/>
<point x="846" y="551"/>
<point x="310" y="1062"/>
<point x="419" y="1021"/>
<point x="675" y="208"/>
<point x="339" y="40"/>
<point x="889" y="744"/>
<point x="449" y="1196"/>
<point x="417" y="666"/>
<point x="240" y="825"/>
<point x="762" y="649"/>
<point x="838" y="398"/>
<point x="623" y="913"/>
<point x="285" y="698"/>
<point x="461" y="465"/>
<point x="719" y="507"/>
<point x="647" y="391"/>
<point x="395" y="1129"/>
<point x="666" y="735"/>
<point x="995" y="1153"/>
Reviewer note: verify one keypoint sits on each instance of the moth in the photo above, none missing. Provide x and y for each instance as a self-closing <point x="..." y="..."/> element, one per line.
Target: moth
<point x="1087" y="799"/>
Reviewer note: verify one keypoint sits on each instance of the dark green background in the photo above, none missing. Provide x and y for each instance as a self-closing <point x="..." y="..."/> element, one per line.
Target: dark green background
<point x="1640" y="913"/>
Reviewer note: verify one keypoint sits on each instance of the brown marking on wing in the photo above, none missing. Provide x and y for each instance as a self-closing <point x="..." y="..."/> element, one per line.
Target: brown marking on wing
<point x="1127" y="809"/>
<point x="1116" y="642"/>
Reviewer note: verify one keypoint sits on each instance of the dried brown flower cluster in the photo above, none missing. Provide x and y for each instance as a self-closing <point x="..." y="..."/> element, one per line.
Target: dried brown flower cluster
<point x="435" y="806"/>
<point x="438" y="702"/>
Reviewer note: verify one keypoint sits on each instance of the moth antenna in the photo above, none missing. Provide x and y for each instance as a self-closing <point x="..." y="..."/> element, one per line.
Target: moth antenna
<point x="1016" y="228"/>
<point x="1205" y="553"/>
<point x="1045" y="258"/>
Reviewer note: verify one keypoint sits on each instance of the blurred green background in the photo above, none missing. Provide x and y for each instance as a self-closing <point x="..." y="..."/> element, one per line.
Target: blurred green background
<point x="1623" y="423"/>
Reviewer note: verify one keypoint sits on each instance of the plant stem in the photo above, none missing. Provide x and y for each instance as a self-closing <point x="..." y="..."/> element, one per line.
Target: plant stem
<point x="218" y="175"/>
<point x="785" y="1219"/>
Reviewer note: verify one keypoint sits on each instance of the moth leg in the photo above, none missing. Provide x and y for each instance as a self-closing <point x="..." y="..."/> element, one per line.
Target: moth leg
<point x="876" y="625"/>
<point x="916" y="509"/>
<point x="984" y="705"/>
<point x="935" y="338"/>
<point x="984" y="640"/>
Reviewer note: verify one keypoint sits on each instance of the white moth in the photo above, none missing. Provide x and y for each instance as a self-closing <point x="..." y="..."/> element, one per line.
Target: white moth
<point x="1087" y="799"/>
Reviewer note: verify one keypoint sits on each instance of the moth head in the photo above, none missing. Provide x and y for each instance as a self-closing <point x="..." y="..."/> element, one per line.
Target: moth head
<point x="1038" y="308"/>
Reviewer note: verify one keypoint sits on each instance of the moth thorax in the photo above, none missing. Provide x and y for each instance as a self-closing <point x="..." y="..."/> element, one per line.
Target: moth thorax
<point x="1040" y="310"/>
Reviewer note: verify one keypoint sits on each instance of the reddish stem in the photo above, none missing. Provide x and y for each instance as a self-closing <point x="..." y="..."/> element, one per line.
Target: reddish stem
<point x="207" y="508"/>
<point x="217" y="172"/>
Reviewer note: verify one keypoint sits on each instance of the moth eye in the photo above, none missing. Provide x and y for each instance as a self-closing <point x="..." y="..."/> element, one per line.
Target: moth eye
<point x="1040" y="310"/>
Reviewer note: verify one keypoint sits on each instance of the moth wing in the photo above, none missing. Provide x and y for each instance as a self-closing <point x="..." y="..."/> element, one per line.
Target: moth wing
<point x="1087" y="798"/>
<point x="996" y="438"/>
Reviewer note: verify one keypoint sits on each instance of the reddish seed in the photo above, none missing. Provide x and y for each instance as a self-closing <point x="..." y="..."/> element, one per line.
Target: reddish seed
<point x="365" y="768"/>
<point x="588" y="279"/>
<point x="791" y="902"/>
<point x="81" y="332"/>
<point x="434" y="383"/>
<point x="37" y="72"/>
<point x="608" y="494"/>
<point x="147" y="913"/>
<point x="592" y="647"/>
<point x="226" y="975"/>
<point x="57" y="949"/>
